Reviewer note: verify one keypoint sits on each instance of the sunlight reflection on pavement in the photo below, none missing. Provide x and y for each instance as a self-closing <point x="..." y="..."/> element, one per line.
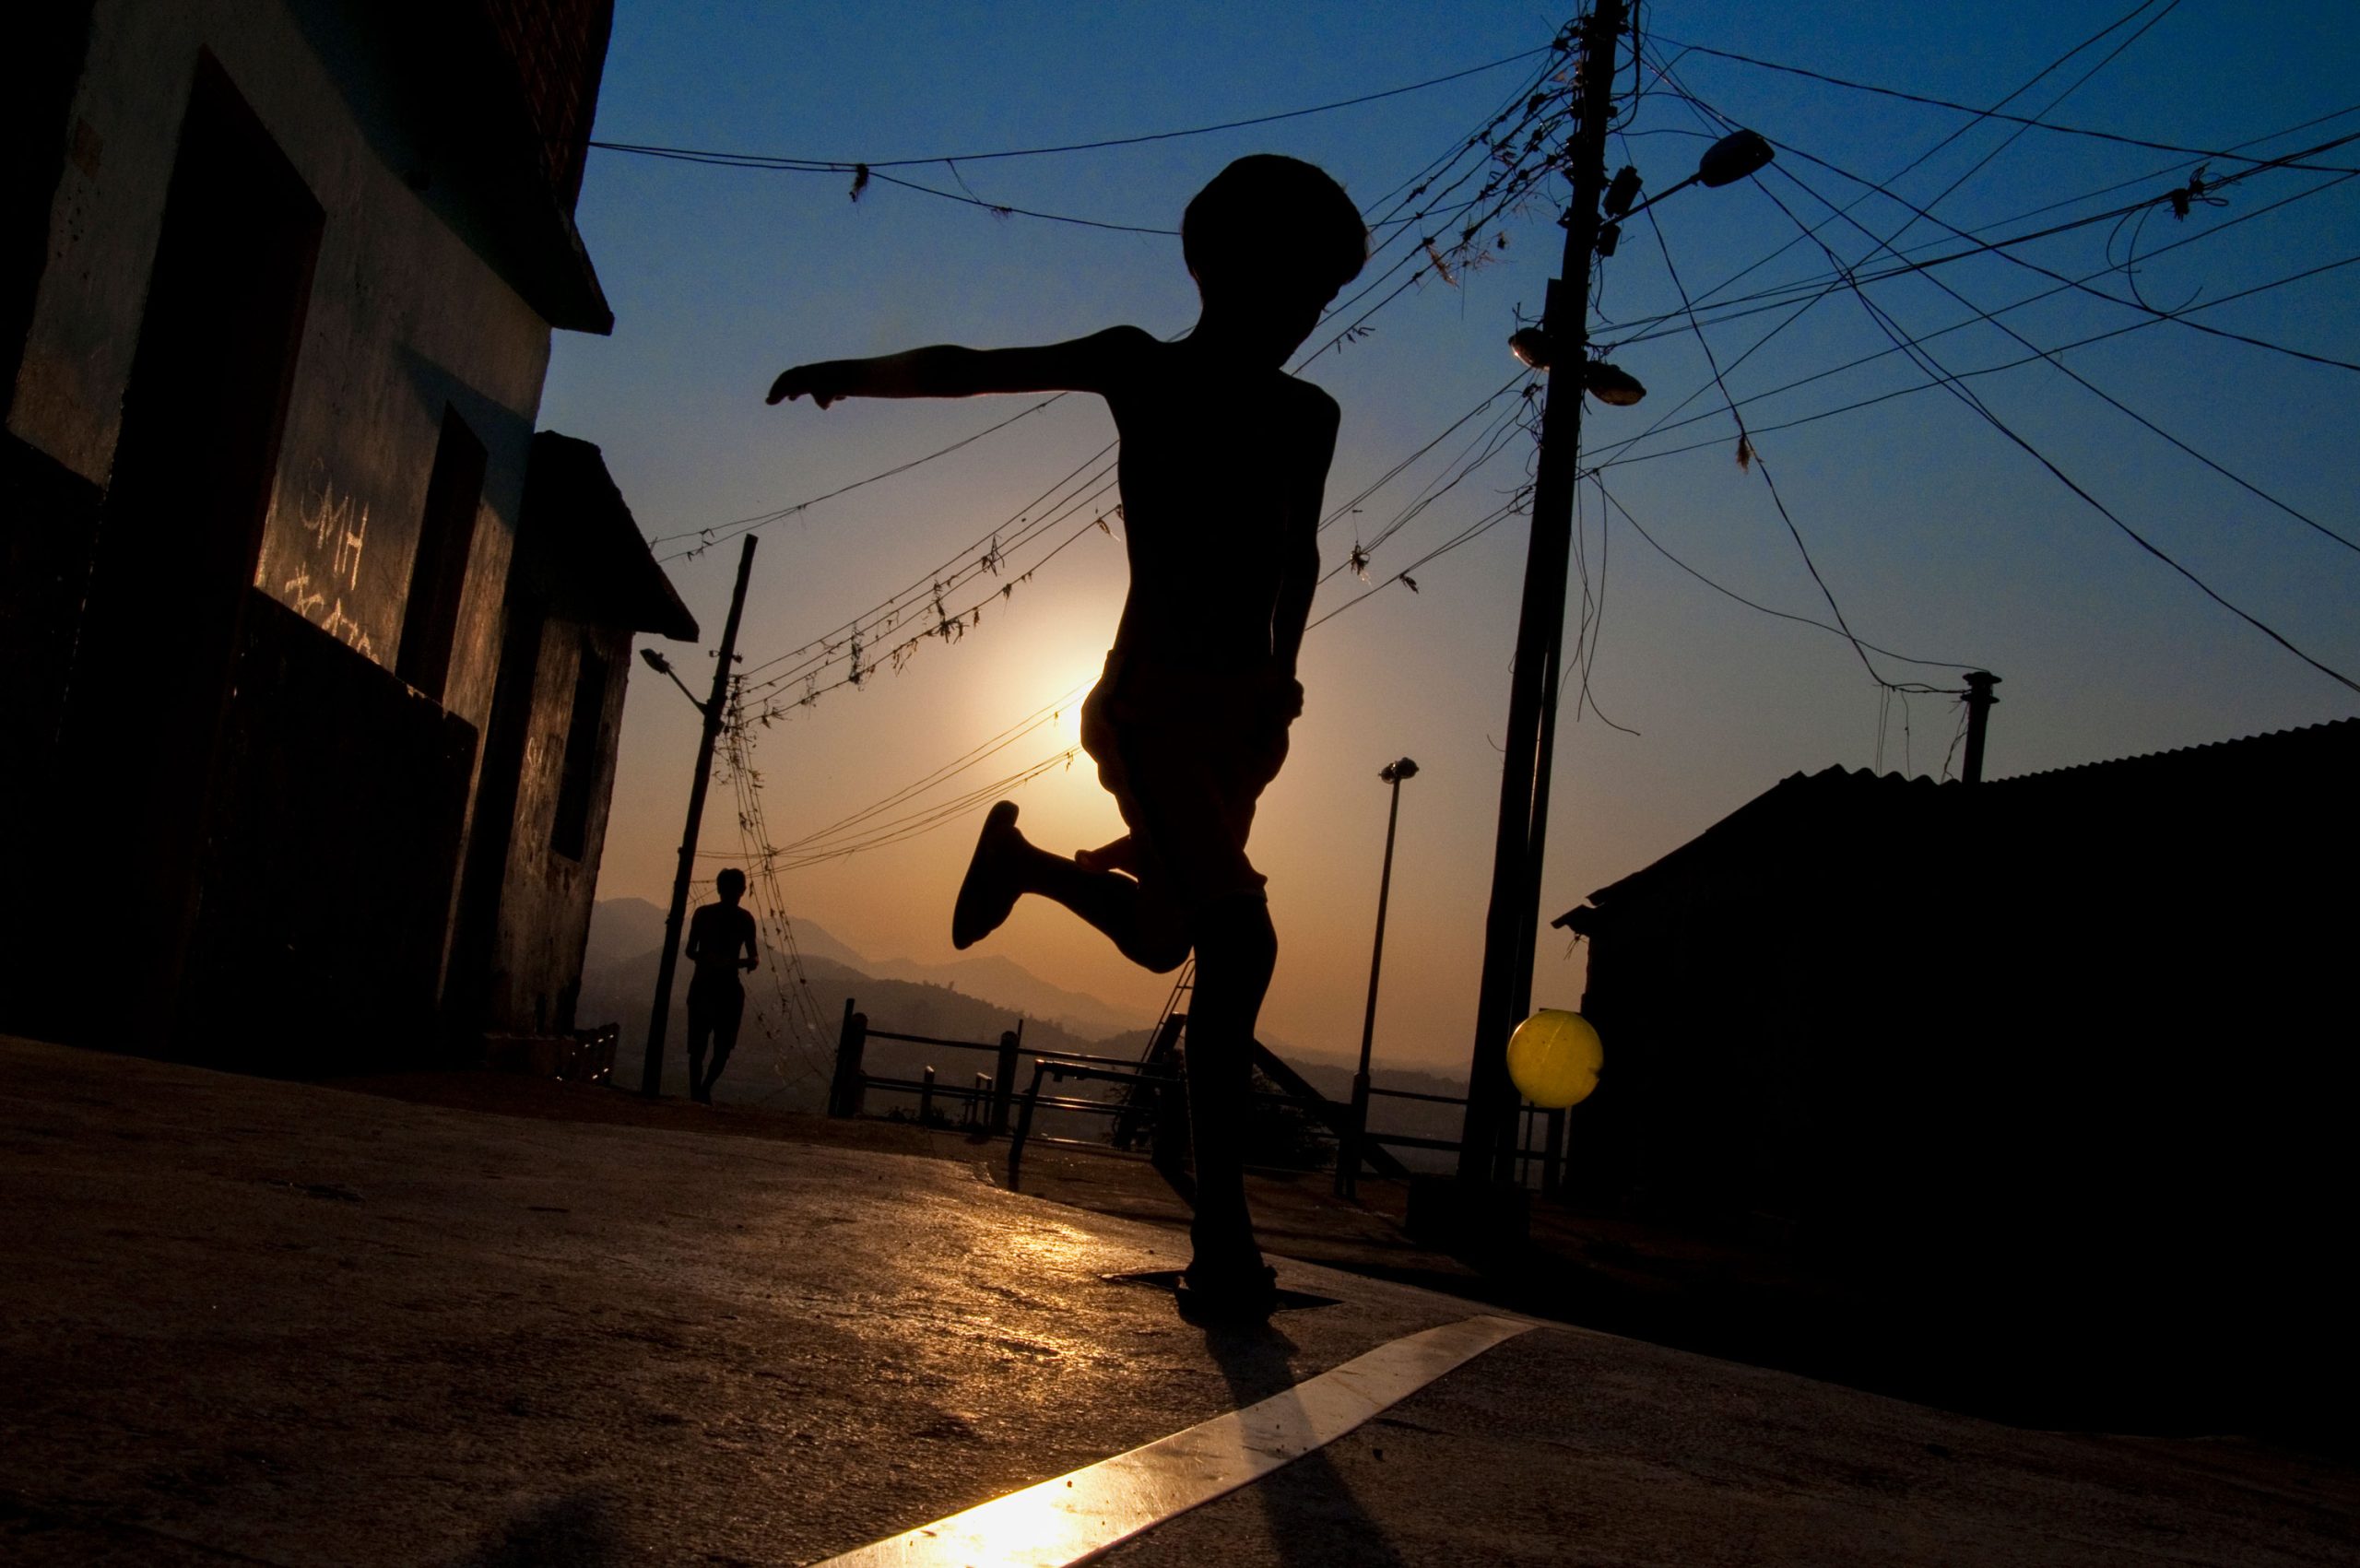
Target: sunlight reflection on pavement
<point x="289" y="1324"/>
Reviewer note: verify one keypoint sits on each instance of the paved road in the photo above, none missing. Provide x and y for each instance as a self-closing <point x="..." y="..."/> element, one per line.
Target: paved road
<point x="248" y="1321"/>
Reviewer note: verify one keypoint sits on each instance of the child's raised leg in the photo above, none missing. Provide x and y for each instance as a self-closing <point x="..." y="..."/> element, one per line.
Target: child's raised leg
<point x="1119" y="855"/>
<point x="1005" y="867"/>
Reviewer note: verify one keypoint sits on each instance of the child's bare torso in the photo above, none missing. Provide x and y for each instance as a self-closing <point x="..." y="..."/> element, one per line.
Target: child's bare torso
<point x="1220" y="478"/>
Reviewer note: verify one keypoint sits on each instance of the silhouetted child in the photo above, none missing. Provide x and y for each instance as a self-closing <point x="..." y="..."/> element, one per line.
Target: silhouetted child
<point x="718" y="934"/>
<point x="1225" y="457"/>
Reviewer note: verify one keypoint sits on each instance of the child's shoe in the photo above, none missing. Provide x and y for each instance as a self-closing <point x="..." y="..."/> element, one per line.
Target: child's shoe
<point x="990" y="889"/>
<point x="1237" y="1293"/>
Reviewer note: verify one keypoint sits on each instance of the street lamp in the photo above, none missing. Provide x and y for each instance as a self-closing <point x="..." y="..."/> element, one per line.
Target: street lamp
<point x="1487" y="1158"/>
<point x="1608" y="384"/>
<point x="662" y="665"/>
<point x="1726" y="162"/>
<point x="1348" y="1158"/>
<point x="1733" y="158"/>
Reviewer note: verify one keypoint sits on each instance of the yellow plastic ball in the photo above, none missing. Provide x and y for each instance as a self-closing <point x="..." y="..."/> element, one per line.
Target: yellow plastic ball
<point x="1554" y="1058"/>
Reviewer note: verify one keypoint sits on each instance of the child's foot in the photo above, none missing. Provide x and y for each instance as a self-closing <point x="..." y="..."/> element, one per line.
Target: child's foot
<point x="990" y="889"/>
<point x="1229" y="1291"/>
<point x="1116" y="856"/>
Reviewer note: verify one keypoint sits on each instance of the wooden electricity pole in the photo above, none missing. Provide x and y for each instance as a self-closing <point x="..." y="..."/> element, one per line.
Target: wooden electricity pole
<point x="651" y="1072"/>
<point x="1487" y="1153"/>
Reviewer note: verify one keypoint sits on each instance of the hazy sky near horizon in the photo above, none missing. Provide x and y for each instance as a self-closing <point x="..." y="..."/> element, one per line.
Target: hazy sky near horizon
<point x="1938" y="537"/>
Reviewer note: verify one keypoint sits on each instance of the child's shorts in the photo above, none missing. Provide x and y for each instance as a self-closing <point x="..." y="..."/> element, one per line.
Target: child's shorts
<point x="1186" y="753"/>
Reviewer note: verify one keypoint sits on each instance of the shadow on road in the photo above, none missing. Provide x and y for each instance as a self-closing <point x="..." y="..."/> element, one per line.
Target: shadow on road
<point x="1313" y="1518"/>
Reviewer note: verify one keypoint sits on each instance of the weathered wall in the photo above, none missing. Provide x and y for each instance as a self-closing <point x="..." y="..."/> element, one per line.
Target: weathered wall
<point x="318" y="943"/>
<point x="545" y="906"/>
<point x="396" y="121"/>
<point x="404" y="320"/>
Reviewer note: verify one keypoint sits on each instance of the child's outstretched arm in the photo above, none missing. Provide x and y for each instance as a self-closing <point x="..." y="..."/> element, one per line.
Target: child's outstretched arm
<point x="1085" y="364"/>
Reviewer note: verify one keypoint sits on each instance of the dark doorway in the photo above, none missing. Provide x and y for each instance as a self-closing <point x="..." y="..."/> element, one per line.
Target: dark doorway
<point x="178" y="541"/>
<point x="468" y="994"/>
<point x="569" y="830"/>
<point x="438" y="574"/>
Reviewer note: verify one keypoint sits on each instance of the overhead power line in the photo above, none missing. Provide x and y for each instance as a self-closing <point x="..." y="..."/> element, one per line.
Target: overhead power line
<point x="1657" y="546"/>
<point x="1511" y="142"/>
<point x="720" y="531"/>
<point x="2029" y="122"/>
<point x="1663" y="69"/>
<point x="1958" y="389"/>
<point x="847" y="165"/>
<point x="1979" y="315"/>
<point x="1613" y="454"/>
<point x="2135" y="304"/>
<point x="1515" y="119"/>
<point x="1911" y="391"/>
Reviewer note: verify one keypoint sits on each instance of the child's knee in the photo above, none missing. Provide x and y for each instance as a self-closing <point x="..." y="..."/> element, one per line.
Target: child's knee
<point x="1237" y="932"/>
<point x="1159" y="941"/>
<point x="1167" y="945"/>
<point x="1160" y="954"/>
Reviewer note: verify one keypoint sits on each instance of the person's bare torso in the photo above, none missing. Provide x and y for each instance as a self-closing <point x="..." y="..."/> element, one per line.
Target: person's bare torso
<point x="1220" y="478"/>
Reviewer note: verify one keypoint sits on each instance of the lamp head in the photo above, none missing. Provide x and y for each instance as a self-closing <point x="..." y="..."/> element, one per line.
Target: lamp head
<point x="1621" y="192"/>
<point x="1394" y="772"/>
<point x="1612" y="384"/>
<point x="1733" y="158"/>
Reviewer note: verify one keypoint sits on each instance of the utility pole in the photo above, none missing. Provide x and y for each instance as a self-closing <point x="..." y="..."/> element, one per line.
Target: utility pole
<point x="1348" y="1162"/>
<point x="1487" y="1149"/>
<point x="651" y="1072"/>
<point x="1979" y="703"/>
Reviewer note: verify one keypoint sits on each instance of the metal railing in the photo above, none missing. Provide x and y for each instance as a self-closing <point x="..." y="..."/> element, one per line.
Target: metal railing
<point x="986" y="1101"/>
<point x="1551" y="1154"/>
<point x="990" y="1106"/>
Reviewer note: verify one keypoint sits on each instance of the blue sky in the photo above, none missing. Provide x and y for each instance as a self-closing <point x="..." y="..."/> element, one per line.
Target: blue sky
<point x="1937" y="536"/>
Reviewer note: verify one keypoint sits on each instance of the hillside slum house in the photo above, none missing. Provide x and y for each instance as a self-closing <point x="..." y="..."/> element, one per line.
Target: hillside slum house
<point x="314" y="652"/>
<point x="2074" y="1050"/>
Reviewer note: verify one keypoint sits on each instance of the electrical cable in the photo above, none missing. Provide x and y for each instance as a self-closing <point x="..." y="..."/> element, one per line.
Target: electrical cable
<point x="713" y="534"/>
<point x="1613" y="453"/>
<point x="2028" y="123"/>
<point x="1748" y="455"/>
<point x="1727" y="591"/>
<point x="1914" y="388"/>
<point x="1979" y="314"/>
<point x="845" y="166"/>
<point x="1664" y="69"/>
<point x="2084" y="288"/>
<point x="1958" y="389"/>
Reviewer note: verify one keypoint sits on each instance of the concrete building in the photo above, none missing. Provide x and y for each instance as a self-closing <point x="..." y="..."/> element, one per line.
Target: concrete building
<point x="311" y="656"/>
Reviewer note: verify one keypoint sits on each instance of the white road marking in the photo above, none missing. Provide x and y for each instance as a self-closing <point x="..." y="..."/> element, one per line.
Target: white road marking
<point x="1072" y="1517"/>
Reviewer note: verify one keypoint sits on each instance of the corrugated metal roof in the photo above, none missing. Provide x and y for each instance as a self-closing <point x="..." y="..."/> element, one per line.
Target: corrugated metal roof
<point x="1840" y="806"/>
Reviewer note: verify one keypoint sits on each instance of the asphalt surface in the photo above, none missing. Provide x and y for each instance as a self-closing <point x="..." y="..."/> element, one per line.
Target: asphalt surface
<point x="261" y="1322"/>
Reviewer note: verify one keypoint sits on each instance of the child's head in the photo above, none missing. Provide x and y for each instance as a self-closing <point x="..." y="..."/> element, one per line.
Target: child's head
<point x="730" y="884"/>
<point x="1271" y="241"/>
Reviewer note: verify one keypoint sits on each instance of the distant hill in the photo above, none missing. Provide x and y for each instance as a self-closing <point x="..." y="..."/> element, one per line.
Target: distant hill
<point x="787" y="1045"/>
<point x="1011" y="984"/>
<point x="786" y="1048"/>
<point x="623" y="929"/>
